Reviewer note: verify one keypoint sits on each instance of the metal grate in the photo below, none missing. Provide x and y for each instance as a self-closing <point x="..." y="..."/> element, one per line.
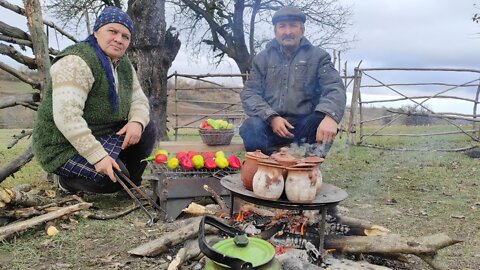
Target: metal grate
<point x="164" y="171"/>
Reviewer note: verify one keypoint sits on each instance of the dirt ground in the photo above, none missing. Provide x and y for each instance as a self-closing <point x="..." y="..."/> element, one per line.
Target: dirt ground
<point x="411" y="194"/>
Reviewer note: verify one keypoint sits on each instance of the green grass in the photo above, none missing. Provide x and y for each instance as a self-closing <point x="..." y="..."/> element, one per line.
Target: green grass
<point x="434" y="192"/>
<point x="15" y="87"/>
<point x="29" y="174"/>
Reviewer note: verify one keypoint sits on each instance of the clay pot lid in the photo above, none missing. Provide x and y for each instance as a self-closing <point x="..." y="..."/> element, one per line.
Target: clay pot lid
<point x="313" y="159"/>
<point x="284" y="157"/>
<point x="302" y="165"/>
<point x="270" y="162"/>
<point x="256" y="155"/>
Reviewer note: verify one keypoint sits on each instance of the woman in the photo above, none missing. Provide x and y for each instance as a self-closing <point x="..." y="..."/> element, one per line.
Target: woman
<point x="94" y="117"/>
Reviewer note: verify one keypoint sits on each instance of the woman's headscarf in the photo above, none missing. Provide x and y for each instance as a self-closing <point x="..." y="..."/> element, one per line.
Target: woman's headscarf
<point x="109" y="15"/>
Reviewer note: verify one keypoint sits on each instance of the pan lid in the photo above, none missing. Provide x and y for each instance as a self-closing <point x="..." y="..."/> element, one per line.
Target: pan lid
<point x="257" y="251"/>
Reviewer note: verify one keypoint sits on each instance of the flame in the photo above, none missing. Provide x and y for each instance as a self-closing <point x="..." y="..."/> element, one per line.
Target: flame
<point x="239" y="217"/>
<point x="302" y="228"/>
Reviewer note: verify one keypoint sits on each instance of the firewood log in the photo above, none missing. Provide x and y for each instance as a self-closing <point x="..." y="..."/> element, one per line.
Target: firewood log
<point x="162" y="244"/>
<point x="13" y="228"/>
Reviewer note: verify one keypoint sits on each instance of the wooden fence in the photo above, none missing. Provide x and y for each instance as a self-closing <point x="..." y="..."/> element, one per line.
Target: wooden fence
<point x="210" y="95"/>
<point x="468" y="92"/>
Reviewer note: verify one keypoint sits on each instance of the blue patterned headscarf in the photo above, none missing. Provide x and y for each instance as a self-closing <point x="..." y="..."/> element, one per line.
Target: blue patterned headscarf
<point x="113" y="15"/>
<point x="109" y="15"/>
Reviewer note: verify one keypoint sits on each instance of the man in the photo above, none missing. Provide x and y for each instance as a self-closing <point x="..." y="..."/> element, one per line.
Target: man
<point x="294" y="93"/>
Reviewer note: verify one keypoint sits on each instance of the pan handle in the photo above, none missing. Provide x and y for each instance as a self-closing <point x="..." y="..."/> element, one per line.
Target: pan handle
<point x="234" y="263"/>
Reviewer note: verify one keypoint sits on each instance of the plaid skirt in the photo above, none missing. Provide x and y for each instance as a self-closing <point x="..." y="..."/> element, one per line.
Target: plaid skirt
<point x="78" y="166"/>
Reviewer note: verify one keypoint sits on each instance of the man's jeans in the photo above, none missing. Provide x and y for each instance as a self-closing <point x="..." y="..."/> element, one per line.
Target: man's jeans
<point x="257" y="133"/>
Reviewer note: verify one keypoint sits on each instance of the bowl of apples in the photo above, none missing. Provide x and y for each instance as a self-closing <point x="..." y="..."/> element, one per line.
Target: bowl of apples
<point x="216" y="132"/>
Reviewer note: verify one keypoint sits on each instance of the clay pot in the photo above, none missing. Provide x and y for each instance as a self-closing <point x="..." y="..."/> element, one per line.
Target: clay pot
<point x="268" y="181"/>
<point x="301" y="183"/>
<point x="249" y="167"/>
<point x="316" y="161"/>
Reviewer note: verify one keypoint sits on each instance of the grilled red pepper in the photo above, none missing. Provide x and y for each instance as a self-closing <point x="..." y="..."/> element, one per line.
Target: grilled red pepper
<point x="233" y="162"/>
<point x="209" y="163"/>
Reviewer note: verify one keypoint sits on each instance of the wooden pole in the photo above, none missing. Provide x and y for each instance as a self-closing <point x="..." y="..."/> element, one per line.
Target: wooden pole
<point x="475" y="125"/>
<point x="33" y="13"/>
<point x="353" y="106"/>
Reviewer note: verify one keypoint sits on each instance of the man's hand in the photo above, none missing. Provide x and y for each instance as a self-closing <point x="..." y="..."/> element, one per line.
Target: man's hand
<point x="133" y="132"/>
<point x="280" y="127"/>
<point x="327" y="130"/>
<point x="105" y="166"/>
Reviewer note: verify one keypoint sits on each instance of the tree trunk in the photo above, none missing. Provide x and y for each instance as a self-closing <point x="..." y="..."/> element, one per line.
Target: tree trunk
<point x="33" y="13"/>
<point x="152" y="51"/>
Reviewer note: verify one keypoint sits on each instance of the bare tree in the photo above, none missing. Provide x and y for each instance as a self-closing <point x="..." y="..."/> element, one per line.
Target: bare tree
<point x="73" y="13"/>
<point x="152" y="51"/>
<point x="236" y="27"/>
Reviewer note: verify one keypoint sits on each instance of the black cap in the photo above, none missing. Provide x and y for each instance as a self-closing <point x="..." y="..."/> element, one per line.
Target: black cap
<point x="288" y="13"/>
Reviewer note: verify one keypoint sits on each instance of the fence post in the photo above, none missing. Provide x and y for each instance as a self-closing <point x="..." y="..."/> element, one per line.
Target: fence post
<point x="476" y="126"/>
<point x="176" y="105"/>
<point x="353" y="107"/>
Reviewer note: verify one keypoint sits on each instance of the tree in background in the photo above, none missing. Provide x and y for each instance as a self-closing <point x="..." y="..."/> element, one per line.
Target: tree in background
<point x="152" y="50"/>
<point x="417" y="116"/>
<point x="476" y="16"/>
<point x="74" y="13"/>
<point x="239" y="28"/>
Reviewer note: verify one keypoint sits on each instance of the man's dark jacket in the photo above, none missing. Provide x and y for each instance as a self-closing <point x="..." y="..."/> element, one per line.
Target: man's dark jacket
<point x="306" y="83"/>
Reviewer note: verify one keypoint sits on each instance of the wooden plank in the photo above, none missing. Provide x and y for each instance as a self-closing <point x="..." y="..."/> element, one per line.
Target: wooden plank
<point x="182" y="146"/>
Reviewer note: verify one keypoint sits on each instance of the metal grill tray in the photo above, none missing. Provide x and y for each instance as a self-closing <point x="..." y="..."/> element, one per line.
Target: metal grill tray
<point x="328" y="194"/>
<point x="179" y="172"/>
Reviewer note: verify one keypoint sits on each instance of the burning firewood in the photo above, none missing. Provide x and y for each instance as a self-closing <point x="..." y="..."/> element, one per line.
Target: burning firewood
<point x="260" y="211"/>
<point x="357" y="226"/>
<point x="218" y="199"/>
<point x="197" y="209"/>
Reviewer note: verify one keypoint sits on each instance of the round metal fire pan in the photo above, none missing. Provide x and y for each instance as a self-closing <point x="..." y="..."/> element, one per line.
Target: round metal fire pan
<point x="329" y="194"/>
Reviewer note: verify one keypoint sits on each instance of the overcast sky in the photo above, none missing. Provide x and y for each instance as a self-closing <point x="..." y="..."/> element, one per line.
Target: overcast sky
<point x="389" y="33"/>
<point x="403" y="33"/>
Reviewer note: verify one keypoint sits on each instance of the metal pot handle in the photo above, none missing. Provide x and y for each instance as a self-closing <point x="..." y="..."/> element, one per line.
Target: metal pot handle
<point x="234" y="263"/>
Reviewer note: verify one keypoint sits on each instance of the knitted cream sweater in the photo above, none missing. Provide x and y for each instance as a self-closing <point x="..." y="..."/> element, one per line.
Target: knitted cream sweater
<point x="72" y="80"/>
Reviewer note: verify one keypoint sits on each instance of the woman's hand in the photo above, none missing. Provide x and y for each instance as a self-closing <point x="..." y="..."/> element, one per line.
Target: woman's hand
<point x="105" y="166"/>
<point x="327" y="130"/>
<point x="133" y="132"/>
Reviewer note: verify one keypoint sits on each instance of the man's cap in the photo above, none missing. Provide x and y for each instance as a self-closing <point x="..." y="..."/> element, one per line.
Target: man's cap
<point x="289" y="13"/>
<point x="113" y="15"/>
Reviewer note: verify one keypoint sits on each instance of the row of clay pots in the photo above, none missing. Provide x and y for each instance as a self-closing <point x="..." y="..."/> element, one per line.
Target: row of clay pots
<point x="269" y="176"/>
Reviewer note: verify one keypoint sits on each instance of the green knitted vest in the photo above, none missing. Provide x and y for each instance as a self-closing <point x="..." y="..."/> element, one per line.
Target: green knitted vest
<point x="50" y="147"/>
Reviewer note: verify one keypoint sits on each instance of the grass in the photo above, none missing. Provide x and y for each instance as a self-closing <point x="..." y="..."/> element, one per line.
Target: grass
<point x="410" y="192"/>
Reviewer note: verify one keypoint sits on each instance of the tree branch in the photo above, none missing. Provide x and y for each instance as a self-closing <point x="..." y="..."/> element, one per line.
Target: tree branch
<point x="21" y="11"/>
<point x="17" y="138"/>
<point x="20" y="75"/>
<point x="23" y="42"/>
<point x="13" y="31"/>
<point x="14" y="100"/>
<point x="17" y="56"/>
<point x="16" y="164"/>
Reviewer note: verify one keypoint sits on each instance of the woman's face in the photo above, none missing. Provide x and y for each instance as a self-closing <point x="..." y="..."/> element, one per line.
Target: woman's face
<point x="113" y="39"/>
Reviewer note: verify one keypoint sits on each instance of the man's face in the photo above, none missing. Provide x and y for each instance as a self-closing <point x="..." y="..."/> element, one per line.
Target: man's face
<point x="289" y="33"/>
<point x="113" y="39"/>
